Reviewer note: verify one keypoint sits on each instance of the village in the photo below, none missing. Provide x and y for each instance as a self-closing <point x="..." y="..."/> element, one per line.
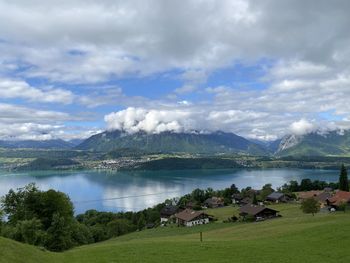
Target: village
<point x="252" y="205"/>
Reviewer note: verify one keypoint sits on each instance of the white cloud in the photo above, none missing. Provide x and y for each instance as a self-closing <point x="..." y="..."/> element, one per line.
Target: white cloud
<point x="302" y="127"/>
<point x="151" y="121"/>
<point x="62" y="43"/>
<point x="21" y="89"/>
<point x="185" y="89"/>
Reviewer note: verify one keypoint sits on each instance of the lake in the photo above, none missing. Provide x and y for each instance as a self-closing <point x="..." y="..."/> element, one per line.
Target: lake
<point x="136" y="190"/>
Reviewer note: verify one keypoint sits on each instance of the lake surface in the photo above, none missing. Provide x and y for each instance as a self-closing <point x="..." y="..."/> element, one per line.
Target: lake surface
<point x="136" y="190"/>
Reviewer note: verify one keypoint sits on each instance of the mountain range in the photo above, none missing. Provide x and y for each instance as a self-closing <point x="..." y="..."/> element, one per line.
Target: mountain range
<point x="166" y="142"/>
<point x="313" y="144"/>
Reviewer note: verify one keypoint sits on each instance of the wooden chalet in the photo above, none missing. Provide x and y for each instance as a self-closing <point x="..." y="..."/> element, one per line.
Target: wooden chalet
<point x="257" y="211"/>
<point x="214" y="202"/>
<point x="277" y="197"/>
<point x="189" y="217"/>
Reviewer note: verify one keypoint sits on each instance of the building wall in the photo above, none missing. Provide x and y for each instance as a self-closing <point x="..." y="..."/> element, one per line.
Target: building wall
<point x="197" y="222"/>
<point x="164" y="219"/>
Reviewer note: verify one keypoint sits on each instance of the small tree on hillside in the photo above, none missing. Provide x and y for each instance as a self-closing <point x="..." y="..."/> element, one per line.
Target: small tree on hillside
<point x="343" y="179"/>
<point x="310" y="206"/>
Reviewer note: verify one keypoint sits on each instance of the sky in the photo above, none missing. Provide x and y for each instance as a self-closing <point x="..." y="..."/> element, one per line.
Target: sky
<point x="260" y="69"/>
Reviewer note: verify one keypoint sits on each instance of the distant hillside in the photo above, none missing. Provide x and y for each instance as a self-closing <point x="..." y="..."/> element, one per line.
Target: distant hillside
<point x="49" y="164"/>
<point x="189" y="163"/>
<point x="166" y="142"/>
<point x="33" y="144"/>
<point x="315" y="144"/>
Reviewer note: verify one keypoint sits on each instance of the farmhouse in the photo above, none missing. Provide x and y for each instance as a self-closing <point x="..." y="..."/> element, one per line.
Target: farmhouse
<point x="308" y="194"/>
<point x="236" y="198"/>
<point x="257" y="211"/>
<point x="339" y="198"/>
<point x="214" y="202"/>
<point x="190" y="217"/>
<point x="276" y="197"/>
<point x="167" y="212"/>
<point x="246" y="201"/>
<point x="323" y="198"/>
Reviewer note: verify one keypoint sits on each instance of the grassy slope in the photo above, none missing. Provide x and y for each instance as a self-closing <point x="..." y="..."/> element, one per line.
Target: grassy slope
<point x="294" y="238"/>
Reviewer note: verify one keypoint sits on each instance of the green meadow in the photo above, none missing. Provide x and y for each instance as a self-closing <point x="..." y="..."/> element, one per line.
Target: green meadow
<point x="295" y="237"/>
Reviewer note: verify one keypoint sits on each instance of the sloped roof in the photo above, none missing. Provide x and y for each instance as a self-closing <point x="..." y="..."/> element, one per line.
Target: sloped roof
<point x="340" y="197"/>
<point x="189" y="214"/>
<point x="323" y="197"/>
<point x="275" y="196"/>
<point x="308" y="194"/>
<point x="254" y="209"/>
<point x="214" y="200"/>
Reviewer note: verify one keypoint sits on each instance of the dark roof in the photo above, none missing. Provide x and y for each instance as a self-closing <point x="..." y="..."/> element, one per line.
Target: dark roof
<point x="275" y="196"/>
<point x="214" y="201"/>
<point x="246" y="200"/>
<point x="254" y="209"/>
<point x="168" y="210"/>
<point x="189" y="214"/>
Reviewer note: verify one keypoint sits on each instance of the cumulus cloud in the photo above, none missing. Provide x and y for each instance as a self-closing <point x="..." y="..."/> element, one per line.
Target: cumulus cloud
<point x="133" y="120"/>
<point x="186" y="119"/>
<point x="302" y="127"/>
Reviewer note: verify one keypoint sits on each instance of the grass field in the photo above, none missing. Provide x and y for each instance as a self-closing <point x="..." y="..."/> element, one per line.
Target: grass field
<point x="295" y="237"/>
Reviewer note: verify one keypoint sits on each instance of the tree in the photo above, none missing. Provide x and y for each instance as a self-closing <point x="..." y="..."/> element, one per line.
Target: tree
<point x="234" y="189"/>
<point x="14" y="203"/>
<point x="119" y="227"/>
<point x="310" y="206"/>
<point x="306" y="185"/>
<point x="266" y="190"/>
<point x="198" y="195"/>
<point x="59" y="234"/>
<point x="141" y="222"/>
<point x="343" y="206"/>
<point x="343" y="179"/>
<point x="29" y="231"/>
<point x="255" y="200"/>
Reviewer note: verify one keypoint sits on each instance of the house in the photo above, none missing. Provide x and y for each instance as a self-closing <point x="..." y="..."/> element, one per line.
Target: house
<point x="322" y="198"/>
<point x="328" y="189"/>
<point x="339" y="198"/>
<point x="308" y="194"/>
<point x="276" y="197"/>
<point x="246" y="201"/>
<point x="189" y="217"/>
<point x="236" y="198"/>
<point x="214" y="202"/>
<point x="167" y="212"/>
<point x="257" y="211"/>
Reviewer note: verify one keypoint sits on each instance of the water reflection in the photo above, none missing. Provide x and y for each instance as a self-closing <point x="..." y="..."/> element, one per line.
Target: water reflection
<point x="116" y="191"/>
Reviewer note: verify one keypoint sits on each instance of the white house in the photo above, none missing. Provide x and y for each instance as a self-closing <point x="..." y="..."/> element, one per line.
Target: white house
<point x="189" y="217"/>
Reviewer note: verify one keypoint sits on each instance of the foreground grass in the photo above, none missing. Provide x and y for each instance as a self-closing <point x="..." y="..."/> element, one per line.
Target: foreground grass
<point x="295" y="237"/>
